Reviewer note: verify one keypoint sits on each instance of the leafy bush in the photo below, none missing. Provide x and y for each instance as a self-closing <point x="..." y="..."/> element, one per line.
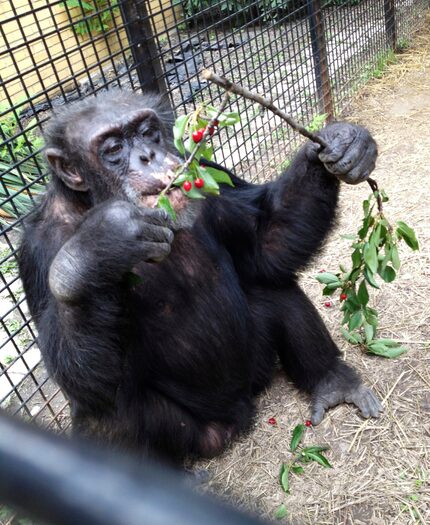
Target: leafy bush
<point x="94" y="16"/>
<point x="20" y="162"/>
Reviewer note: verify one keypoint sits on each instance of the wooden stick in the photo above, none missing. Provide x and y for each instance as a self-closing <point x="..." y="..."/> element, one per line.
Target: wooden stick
<point x="231" y="87"/>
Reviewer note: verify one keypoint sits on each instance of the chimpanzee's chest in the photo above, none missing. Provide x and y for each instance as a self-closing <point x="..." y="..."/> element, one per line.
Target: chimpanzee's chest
<point x="191" y="309"/>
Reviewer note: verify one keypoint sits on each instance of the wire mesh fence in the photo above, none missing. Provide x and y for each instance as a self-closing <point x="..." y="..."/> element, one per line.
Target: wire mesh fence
<point x="309" y="56"/>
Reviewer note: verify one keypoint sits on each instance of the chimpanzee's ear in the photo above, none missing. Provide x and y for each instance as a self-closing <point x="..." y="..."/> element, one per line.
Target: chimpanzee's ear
<point x="70" y="177"/>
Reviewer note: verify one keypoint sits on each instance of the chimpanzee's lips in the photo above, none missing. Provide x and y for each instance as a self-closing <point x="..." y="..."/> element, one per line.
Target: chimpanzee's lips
<point x="177" y="199"/>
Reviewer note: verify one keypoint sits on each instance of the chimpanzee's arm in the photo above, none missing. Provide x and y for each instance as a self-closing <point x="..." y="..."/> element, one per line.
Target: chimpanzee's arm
<point x="76" y="294"/>
<point x="294" y="214"/>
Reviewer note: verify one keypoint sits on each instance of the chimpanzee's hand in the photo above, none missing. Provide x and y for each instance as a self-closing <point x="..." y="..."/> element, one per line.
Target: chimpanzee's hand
<point x="112" y="238"/>
<point x="144" y="234"/>
<point x="351" y="152"/>
<point x="342" y="385"/>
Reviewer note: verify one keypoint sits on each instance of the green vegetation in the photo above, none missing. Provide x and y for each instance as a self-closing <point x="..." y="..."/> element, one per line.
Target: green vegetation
<point x="20" y="162"/>
<point x="94" y="16"/>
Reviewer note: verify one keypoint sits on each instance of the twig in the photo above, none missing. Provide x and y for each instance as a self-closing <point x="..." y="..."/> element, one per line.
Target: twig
<point x="205" y="135"/>
<point x="239" y="90"/>
<point x="268" y="104"/>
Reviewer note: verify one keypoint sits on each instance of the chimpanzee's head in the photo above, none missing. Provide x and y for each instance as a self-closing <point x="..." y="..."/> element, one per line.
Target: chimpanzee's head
<point x="118" y="144"/>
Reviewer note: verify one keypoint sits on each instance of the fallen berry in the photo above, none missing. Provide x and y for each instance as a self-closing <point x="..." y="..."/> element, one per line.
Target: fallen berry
<point x="197" y="135"/>
<point x="327" y="304"/>
<point x="199" y="183"/>
<point x="343" y="296"/>
<point x="187" y="185"/>
<point x="308" y="423"/>
<point x="272" y="421"/>
<point x="321" y="271"/>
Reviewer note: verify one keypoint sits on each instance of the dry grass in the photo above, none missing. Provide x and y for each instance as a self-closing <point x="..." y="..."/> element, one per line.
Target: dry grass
<point x="381" y="467"/>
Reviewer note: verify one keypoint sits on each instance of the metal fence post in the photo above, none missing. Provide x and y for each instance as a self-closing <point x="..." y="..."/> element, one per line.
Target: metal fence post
<point x="390" y="23"/>
<point x="142" y="44"/>
<point x="319" y="53"/>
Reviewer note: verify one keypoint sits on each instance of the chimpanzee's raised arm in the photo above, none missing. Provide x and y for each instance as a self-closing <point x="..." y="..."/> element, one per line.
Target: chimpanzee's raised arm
<point x="299" y="208"/>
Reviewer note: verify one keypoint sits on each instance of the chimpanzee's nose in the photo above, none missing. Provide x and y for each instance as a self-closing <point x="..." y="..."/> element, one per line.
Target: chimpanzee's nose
<point x="147" y="157"/>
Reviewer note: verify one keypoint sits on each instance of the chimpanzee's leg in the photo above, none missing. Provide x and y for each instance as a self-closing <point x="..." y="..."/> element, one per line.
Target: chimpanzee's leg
<point x="311" y="358"/>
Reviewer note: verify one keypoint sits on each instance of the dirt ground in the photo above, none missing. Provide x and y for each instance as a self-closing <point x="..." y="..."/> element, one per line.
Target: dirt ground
<point x="381" y="467"/>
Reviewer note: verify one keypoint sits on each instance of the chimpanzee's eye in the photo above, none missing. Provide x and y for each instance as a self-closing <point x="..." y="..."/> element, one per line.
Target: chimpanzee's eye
<point x="115" y="148"/>
<point x="112" y="147"/>
<point x="151" y="134"/>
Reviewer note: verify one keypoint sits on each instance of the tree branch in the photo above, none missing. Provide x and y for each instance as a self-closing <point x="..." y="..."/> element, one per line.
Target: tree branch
<point x="231" y="87"/>
<point x="205" y="135"/>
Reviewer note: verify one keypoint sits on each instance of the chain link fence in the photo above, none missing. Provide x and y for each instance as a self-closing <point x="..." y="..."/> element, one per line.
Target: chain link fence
<point x="309" y="56"/>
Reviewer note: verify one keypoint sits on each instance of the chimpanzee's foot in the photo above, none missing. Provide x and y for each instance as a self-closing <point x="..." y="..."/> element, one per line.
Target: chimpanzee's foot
<point x="343" y="385"/>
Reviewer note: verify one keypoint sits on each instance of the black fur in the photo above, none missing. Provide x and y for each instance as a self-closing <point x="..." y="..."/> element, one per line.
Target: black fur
<point x="170" y="366"/>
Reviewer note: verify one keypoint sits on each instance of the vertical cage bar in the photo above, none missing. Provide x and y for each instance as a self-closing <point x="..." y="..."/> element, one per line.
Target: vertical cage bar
<point x="390" y="23"/>
<point x="319" y="54"/>
<point x="142" y="43"/>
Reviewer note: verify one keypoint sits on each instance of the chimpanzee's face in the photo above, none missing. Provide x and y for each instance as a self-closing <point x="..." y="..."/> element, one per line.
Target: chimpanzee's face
<point x="121" y="152"/>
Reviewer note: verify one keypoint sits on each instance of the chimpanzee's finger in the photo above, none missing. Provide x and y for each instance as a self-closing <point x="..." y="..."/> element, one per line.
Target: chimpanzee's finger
<point x="157" y="216"/>
<point x="151" y="233"/>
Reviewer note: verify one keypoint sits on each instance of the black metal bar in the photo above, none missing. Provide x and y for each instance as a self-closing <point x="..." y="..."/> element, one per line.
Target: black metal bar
<point x="65" y="482"/>
<point x="319" y="53"/>
<point x="390" y="23"/>
<point x="145" y="54"/>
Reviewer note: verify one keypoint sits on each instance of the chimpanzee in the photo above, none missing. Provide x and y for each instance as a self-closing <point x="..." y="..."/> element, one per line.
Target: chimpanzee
<point x="169" y="364"/>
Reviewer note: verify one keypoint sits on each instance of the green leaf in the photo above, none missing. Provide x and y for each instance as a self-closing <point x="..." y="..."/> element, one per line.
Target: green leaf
<point x="297" y="436"/>
<point x="219" y="176"/>
<point x="178" y="132"/>
<point x="164" y="203"/>
<point x="319" y="458"/>
<point x="369" y="278"/>
<point x="362" y="294"/>
<point x="369" y="332"/>
<point x="351" y="338"/>
<point x="371" y="316"/>
<point x="327" y="278"/>
<point x="211" y="185"/>
<point x="365" y="228"/>
<point x="388" y="274"/>
<point x="366" y="207"/>
<point x="297" y="469"/>
<point x="320" y="448"/>
<point x="329" y="290"/>
<point x="388" y="342"/>
<point x="193" y="194"/>
<point x="132" y="279"/>
<point x="395" y="259"/>
<point x="408" y="234"/>
<point x="370" y="257"/>
<point x="357" y="258"/>
<point x="281" y="512"/>
<point x="383" y="350"/>
<point x="355" y="321"/>
<point x="349" y="236"/>
<point x="283" y="478"/>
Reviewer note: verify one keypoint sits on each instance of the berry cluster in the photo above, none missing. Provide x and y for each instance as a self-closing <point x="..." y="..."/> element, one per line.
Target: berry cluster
<point x="197" y="137"/>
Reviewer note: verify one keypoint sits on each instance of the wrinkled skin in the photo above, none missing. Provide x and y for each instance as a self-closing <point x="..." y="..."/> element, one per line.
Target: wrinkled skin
<point x="169" y="364"/>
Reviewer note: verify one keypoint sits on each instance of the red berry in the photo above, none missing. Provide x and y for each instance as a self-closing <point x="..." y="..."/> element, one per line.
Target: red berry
<point x="321" y="271"/>
<point x="187" y="185"/>
<point x="272" y="421"/>
<point x="343" y="296"/>
<point x="197" y="135"/>
<point x="211" y="130"/>
<point x="216" y="123"/>
<point x="199" y="183"/>
<point x="327" y="304"/>
<point x="308" y="423"/>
